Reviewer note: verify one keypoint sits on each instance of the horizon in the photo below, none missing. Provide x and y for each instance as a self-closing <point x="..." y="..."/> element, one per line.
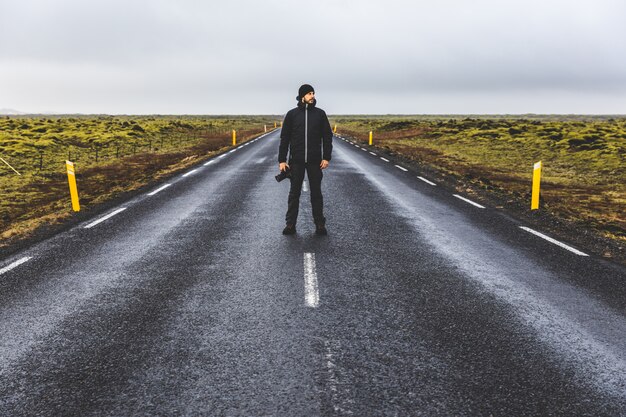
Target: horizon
<point x="329" y="114"/>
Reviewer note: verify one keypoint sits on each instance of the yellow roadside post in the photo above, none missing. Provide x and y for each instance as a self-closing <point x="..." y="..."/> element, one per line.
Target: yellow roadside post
<point x="275" y="125"/>
<point x="371" y="141"/>
<point x="534" y="204"/>
<point x="265" y="126"/>
<point x="234" y="137"/>
<point x="71" y="178"/>
<point x="335" y="129"/>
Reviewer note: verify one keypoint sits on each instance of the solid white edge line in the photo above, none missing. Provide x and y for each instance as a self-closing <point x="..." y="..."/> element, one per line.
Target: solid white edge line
<point x="551" y="240"/>
<point x="402" y="168"/>
<point x="158" y="190"/>
<point x="193" y="171"/>
<point x="108" y="216"/>
<point x="372" y="153"/>
<point x="311" y="289"/>
<point x="15" y="264"/>
<point x="427" y="181"/>
<point x="469" y="201"/>
<point x="384" y="159"/>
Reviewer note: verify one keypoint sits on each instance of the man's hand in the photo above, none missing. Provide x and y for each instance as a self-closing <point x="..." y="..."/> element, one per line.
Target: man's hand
<point x="283" y="166"/>
<point x="324" y="164"/>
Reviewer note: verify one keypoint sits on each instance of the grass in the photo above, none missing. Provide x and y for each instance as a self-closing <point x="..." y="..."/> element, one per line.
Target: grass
<point x="584" y="159"/>
<point x="113" y="155"/>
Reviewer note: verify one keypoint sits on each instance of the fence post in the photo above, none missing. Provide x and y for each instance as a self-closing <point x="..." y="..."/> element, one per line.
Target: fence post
<point x="14" y="170"/>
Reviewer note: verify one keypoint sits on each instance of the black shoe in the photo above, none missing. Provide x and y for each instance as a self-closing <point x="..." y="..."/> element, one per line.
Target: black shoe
<point x="290" y="229"/>
<point x="320" y="229"/>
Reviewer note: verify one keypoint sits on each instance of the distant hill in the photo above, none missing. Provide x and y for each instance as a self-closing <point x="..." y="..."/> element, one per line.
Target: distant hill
<point x="13" y="112"/>
<point x="10" y="112"/>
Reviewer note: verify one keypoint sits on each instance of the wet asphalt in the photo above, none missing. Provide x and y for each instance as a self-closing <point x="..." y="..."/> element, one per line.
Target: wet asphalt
<point x="192" y="302"/>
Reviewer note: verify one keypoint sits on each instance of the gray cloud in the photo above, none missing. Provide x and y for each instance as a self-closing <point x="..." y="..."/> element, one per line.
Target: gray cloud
<point x="244" y="56"/>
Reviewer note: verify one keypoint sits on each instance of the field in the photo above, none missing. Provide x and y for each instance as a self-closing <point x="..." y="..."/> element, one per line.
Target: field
<point x="584" y="162"/>
<point x="113" y="155"/>
<point x="583" y="182"/>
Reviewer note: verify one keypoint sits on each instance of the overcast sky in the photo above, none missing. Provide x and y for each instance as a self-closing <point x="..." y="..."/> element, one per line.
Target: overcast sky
<point x="366" y="56"/>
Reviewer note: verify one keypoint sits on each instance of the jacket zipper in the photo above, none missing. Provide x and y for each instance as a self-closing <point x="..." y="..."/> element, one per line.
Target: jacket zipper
<point x="306" y="131"/>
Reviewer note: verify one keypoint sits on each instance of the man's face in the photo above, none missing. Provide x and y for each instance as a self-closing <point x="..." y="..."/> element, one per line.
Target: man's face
<point x="309" y="97"/>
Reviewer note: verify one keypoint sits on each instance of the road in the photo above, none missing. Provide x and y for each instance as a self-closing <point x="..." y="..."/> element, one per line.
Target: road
<point x="190" y="301"/>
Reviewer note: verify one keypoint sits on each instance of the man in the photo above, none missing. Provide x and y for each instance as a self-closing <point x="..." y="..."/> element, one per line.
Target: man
<point x="307" y="135"/>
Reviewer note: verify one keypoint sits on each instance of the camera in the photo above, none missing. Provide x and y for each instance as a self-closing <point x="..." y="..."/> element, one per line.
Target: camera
<point x="283" y="175"/>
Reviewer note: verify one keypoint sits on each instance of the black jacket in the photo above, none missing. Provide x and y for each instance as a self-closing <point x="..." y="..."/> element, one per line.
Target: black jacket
<point x="306" y="147"/>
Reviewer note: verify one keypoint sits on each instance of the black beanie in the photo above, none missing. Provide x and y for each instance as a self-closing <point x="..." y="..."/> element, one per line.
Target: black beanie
<point x="304" y="90"/>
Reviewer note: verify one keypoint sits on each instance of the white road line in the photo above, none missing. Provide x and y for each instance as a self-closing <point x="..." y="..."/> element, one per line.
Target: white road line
<point x="363" y="149"/>
<point x="305" y="187"/>
<point x="469" y="201"/>
<point x="222" y="155"/>
<point x="193" y="171"/>
<point x="159" y="189"/>
<point x="108" y="216"/>
<point x="311" y="291"/>
<point x="372" y="153"/>
<point x="232" y="151"/>
<point x="209" y="163"/>
<point x="556" y="242"/>
<point x="15" y="264"/>
<point x="402" y="168"/>
<point x="427" y="181"/>
<point x="333" y="378"/>
<point x="386" y="160"/>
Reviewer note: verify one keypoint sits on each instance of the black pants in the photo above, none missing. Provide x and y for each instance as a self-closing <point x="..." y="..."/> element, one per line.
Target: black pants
<point x="314" y="173"/>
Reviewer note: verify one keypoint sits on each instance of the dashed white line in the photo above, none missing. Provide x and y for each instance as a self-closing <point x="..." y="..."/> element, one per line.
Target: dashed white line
<point x="427" y="181"/>
<point x="363" y="149"/>
<point x="556" y="242"/>
<point x="158" y="190"/>
<point x="311" y="291"/>
<point x="305" y="187"/>
<point x="232" y="150"/>
<point x="402" y="168"/>
<point x="333" y="379"/>
<point x="15" y="264"/>
<point x="108" y="216"/>
<point x="222" y="155"/>
<point x="193" y="171"/>
<point x="209" y="163"/>
<point x="372" y="153"/>
<point x="384" y="159"/>
<point x="469" y="201"/>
